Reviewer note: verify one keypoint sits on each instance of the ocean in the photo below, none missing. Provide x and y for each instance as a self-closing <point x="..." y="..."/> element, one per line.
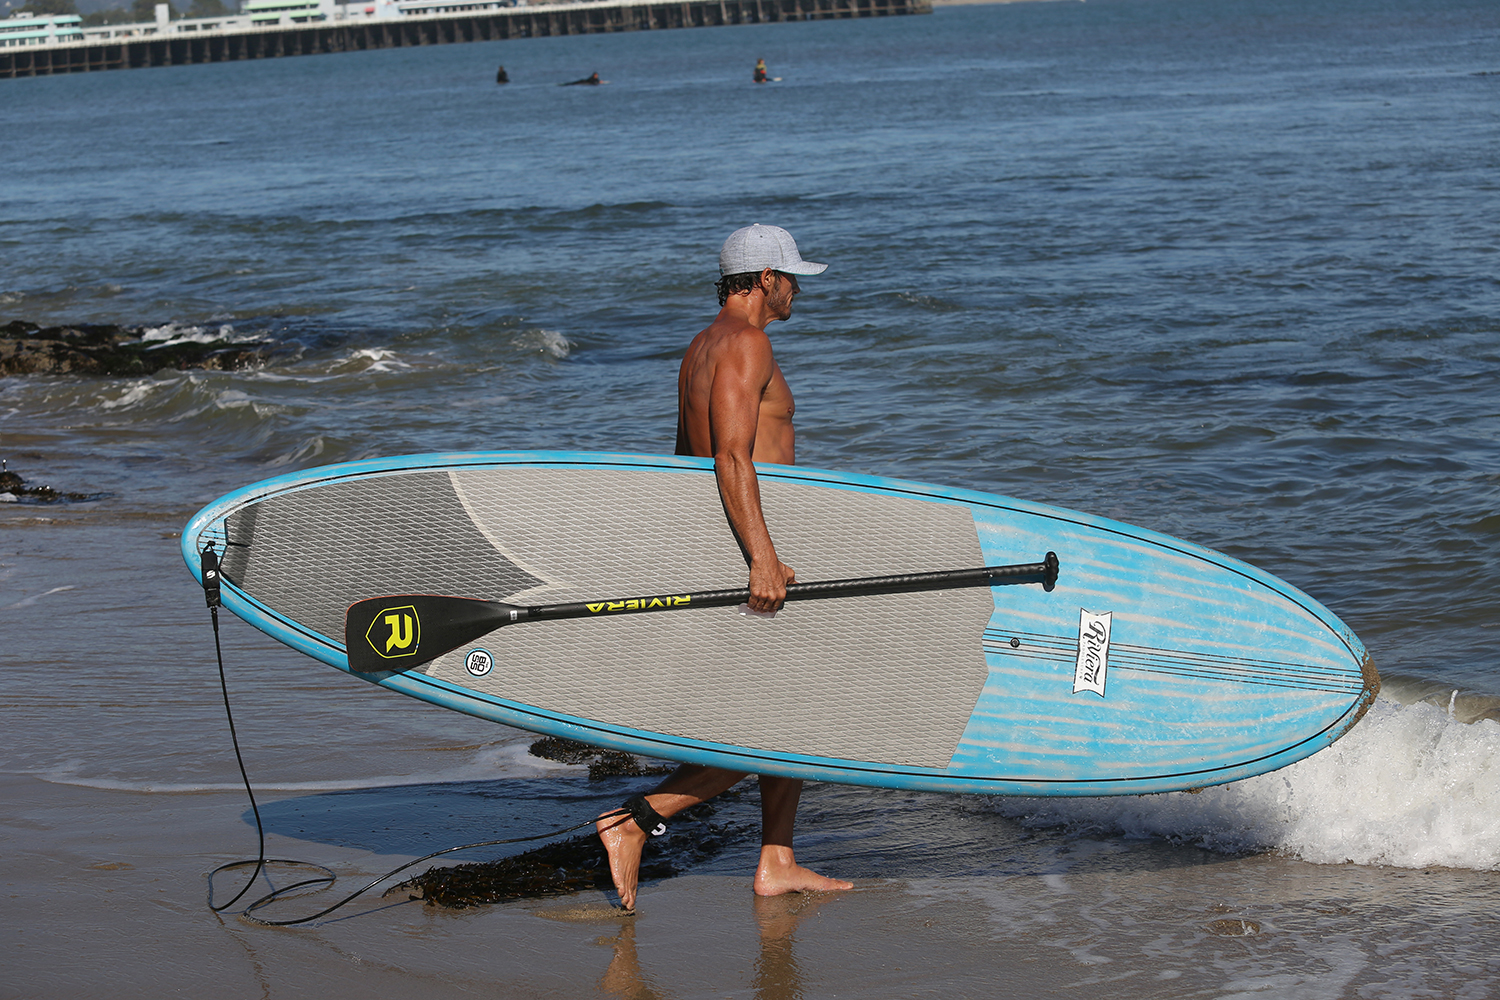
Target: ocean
<point x="1223" y="268"/>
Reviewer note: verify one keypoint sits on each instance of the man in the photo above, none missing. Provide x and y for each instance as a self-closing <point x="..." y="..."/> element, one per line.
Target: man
<point x="734" y="406"/>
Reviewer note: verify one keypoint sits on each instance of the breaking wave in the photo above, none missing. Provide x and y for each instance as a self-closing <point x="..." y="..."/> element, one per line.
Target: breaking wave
<point x="1410" y="786"/>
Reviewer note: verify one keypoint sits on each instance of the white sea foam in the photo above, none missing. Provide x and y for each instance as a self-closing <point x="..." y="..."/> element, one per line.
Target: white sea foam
<point x="376" y="359"/>
<point x="1410" y="786"/>
<point x="548" y="342"/>
<point x="29" y="601"/>
<point x="185" y="333"/>
<point x="310" y="447"/>
<point x="136" y="392"/>
<point x="508" y="760"/>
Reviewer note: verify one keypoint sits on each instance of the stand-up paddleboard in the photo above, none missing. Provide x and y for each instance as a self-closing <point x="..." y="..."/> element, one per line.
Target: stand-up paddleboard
<point x="1079" y="656"/>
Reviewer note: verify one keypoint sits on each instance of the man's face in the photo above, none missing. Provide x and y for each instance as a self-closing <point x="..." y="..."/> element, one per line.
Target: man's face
<point x="780" y="292"/>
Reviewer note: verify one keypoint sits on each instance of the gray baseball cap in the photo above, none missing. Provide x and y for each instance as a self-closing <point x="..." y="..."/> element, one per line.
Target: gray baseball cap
<point x="758" y="247"/>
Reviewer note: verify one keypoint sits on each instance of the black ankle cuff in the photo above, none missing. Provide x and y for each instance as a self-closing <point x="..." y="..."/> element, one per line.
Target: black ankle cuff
<point x="646" y="818"/>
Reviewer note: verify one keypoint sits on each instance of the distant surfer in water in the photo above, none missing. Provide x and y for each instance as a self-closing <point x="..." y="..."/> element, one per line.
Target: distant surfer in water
<point x="760" y="71"/>
<point x="592" y="80"/>
<point x="734" y="406"/>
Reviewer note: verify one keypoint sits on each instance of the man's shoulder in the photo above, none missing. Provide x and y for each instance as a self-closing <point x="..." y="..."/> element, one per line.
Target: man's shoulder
<point x="733" y="334"/>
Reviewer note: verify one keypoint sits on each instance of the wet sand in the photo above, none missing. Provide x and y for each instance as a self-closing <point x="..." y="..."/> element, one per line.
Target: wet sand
<point x="104" y="895"/>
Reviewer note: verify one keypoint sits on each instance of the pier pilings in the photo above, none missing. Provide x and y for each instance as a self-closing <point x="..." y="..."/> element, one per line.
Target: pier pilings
<point x="542" y="21"/>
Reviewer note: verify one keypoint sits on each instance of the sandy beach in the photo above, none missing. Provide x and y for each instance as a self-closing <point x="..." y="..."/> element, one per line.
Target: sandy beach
<point x="105" y="898"/>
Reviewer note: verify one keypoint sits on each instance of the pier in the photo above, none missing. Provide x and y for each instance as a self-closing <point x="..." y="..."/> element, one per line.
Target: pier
<point x="181" y="48"/>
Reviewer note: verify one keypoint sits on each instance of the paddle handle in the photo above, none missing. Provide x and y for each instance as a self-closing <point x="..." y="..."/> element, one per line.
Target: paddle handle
<point x="1044" y="572"/>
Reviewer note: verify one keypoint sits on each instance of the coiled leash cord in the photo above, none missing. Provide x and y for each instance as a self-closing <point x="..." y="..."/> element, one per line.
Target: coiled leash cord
<point x="636" y="807"/>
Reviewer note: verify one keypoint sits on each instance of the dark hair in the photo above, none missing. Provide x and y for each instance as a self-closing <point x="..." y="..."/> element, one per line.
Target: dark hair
<point x="733" y="284"/>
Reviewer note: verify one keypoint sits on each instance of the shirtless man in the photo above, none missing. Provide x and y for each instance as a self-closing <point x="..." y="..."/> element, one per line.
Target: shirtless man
<point x="734" y="405"/>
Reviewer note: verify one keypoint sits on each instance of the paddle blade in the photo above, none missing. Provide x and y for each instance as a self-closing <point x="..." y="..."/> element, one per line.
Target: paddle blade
<point x="407" y="630"/>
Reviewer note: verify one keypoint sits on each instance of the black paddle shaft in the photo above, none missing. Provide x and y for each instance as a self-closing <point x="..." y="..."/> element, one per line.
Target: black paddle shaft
<point x="402" y="631"/>
<point x="1044" y="572"/>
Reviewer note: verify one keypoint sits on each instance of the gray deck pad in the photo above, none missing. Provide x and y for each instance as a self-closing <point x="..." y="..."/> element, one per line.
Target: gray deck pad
<point x="889" y="679"/>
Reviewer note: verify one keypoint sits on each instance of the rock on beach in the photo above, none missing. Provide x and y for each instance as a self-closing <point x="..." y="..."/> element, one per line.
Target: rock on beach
<point x="107" y="349"/>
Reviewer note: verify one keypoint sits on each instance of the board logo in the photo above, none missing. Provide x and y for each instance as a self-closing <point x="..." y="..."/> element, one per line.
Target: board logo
<point x="395" y="632"/>
<point x="479" y="662"/>
<point x="642" y="603"/>
<point x="1093" y="652"/>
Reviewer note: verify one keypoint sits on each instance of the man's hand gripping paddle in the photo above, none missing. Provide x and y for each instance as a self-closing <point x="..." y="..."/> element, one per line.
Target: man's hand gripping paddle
<point x="407" y="630"/>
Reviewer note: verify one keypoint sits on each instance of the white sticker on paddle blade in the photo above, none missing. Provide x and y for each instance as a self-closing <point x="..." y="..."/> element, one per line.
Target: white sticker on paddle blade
<point x="1093" y="652"/>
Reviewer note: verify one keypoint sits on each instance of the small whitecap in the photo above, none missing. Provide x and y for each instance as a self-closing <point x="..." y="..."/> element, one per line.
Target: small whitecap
<point x="132" y="396"/>
<point x="170" y="333"/>
<point x="310" y="447"/>
<point x="29" y="601"/>
<point x="371" y="359"/>
<point x="548" y="342"/>
<point x="186" y="333"/>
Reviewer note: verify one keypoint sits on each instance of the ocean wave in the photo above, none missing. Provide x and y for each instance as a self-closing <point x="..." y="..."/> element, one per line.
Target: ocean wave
<point x="169" y="334"/>
<point x="1411" y="786"/>
<point x="548" y="342"/>
<point x="508" y="760"/>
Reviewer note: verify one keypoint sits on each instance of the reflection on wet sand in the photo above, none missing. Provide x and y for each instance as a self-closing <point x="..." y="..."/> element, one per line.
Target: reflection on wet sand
<point x="624" y="977"/>
<point x="777" y="974"/>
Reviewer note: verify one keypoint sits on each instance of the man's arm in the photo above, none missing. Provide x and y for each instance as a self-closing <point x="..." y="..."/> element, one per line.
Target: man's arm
<point x="740" y="378"/>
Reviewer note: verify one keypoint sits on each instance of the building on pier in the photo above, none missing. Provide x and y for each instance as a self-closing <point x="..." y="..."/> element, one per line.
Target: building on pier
<point x="40" y="29"/>
<point x="356" y="27"/>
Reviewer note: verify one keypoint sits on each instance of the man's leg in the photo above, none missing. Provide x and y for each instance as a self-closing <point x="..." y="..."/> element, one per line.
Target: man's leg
<point x="623" y="838"/>
<point x="779" y="872"/>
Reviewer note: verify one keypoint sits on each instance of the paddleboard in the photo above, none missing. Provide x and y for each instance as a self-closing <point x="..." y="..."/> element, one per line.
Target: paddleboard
<point x="1149" y="664"/>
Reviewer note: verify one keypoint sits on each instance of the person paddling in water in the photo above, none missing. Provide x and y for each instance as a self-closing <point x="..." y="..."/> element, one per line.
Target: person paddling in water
<point x="734" y="406"/>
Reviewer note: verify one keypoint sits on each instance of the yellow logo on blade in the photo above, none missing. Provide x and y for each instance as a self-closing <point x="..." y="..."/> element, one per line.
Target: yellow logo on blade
<point x="395" y="632"/>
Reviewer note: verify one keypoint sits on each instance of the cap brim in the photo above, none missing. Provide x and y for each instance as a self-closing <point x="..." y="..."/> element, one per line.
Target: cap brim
<point x="803" y="267"/>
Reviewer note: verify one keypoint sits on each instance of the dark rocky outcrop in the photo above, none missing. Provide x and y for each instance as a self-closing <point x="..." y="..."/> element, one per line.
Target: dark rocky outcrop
<point x="107" y="349"/>
<point x="13" y="489"/>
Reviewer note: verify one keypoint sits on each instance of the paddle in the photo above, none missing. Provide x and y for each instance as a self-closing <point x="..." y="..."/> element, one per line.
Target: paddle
<point x="398" y="632"/>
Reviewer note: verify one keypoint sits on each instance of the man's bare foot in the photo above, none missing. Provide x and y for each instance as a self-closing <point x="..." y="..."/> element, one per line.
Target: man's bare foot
<point x="779" y="873"/>
<point x="623" y="840"/>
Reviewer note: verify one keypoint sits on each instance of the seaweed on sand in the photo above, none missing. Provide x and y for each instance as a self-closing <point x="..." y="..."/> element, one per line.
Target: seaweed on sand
<point x="602" y="763"/>
<point x="573" y="865"/>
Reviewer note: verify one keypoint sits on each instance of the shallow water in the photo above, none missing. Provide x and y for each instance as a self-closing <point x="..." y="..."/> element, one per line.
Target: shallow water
<point x="1224" y="270"/>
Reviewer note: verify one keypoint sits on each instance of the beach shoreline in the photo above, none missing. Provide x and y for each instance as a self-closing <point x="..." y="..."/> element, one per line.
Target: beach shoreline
<point x="126" y="871"/>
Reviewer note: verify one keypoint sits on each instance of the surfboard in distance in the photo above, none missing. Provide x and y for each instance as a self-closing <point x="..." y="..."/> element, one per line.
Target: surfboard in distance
<point x="1151" y="664"/>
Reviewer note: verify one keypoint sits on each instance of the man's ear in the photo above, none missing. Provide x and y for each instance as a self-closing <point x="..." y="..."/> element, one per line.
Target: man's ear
<point x="768" y="279"/>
